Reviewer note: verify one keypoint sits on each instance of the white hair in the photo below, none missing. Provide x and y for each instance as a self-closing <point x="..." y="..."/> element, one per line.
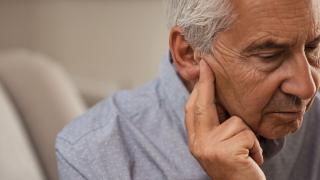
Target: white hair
<point x="200" y="20"/>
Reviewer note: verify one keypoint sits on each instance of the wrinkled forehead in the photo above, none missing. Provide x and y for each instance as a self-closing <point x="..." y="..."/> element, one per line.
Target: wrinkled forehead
<point x="315" y="6"/>
<point x="290" y="19"/>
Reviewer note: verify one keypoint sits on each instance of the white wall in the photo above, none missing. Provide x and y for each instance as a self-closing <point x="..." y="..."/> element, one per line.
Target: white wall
<point x="105" y="45"/>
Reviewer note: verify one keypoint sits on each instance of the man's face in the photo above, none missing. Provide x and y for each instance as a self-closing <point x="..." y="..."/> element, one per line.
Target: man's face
<point x="267" y="64"/>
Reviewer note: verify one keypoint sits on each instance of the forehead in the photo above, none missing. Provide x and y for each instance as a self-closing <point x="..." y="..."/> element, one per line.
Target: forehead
<point x="290" y="20"/>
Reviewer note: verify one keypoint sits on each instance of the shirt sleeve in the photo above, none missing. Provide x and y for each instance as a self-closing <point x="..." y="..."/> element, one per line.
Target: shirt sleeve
<point x="66" y="170"/>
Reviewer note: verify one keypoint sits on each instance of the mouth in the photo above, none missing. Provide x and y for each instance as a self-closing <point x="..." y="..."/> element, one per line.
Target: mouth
<point x="289" y="112"/>
<point x="287" y="116"/>
<point x="292" y="111"/>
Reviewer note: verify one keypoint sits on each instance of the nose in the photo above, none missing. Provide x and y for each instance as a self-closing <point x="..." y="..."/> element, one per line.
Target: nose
<point x="299" y="81"/>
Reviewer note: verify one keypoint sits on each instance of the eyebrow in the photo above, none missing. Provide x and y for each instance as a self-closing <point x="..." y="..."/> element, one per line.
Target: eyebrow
<point x="268" y="44"/>
<point x="272" y="44"/>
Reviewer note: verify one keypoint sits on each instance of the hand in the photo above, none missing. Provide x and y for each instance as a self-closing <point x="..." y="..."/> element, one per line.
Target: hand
<point x="227" y="151"/>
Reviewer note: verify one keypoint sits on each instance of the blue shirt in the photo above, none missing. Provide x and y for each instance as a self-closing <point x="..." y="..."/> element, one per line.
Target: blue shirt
<point x="140" y="134"/>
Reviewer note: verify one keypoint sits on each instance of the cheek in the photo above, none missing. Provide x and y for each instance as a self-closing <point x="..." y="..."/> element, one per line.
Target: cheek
<point x="245" y="93"/>
<point x="243" y="90"/>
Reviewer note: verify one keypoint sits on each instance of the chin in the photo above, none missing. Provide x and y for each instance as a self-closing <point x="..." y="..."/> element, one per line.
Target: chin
<point x="280" y="131"/>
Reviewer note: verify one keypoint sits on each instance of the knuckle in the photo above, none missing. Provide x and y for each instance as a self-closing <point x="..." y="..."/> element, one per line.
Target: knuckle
<point x="198" y="151"/>
<point x="208" y="154"/>
<point x="236" y="119"/>
<point x="248" y="134"/>
<point x="218" y="155"/>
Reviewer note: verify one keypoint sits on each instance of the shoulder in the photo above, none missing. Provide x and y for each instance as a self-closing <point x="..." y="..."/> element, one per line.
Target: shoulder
<point x="105" y="128"/>
<point x="121" y="106"/>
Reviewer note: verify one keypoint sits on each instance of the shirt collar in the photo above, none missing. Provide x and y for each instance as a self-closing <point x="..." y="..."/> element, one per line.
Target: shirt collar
<point x="173" y="87"/>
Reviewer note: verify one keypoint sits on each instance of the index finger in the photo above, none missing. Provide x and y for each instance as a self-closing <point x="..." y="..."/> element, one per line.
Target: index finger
<point x="206" y="115"/>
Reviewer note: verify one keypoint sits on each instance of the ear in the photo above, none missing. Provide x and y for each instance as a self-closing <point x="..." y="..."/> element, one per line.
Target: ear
<point x="185" y="58"/>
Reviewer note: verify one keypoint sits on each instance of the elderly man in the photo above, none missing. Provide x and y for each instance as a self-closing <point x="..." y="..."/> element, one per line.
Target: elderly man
<point x="236" y="100"/>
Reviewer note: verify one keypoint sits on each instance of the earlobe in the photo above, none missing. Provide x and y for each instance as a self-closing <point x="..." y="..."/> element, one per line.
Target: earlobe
<point x="183" y="55"/>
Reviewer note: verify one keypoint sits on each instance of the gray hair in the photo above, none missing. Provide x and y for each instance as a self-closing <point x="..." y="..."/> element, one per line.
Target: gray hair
<point x="200" y="20"/>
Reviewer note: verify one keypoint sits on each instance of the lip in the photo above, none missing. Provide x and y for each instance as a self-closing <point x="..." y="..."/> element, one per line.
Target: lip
<point x="288" y="112"/>
<point x="287" y="116"/>
<point x="293" y="110"/>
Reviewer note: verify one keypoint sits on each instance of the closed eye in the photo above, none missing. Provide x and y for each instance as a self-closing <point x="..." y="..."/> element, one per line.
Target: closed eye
<point x="270" y="56"/>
